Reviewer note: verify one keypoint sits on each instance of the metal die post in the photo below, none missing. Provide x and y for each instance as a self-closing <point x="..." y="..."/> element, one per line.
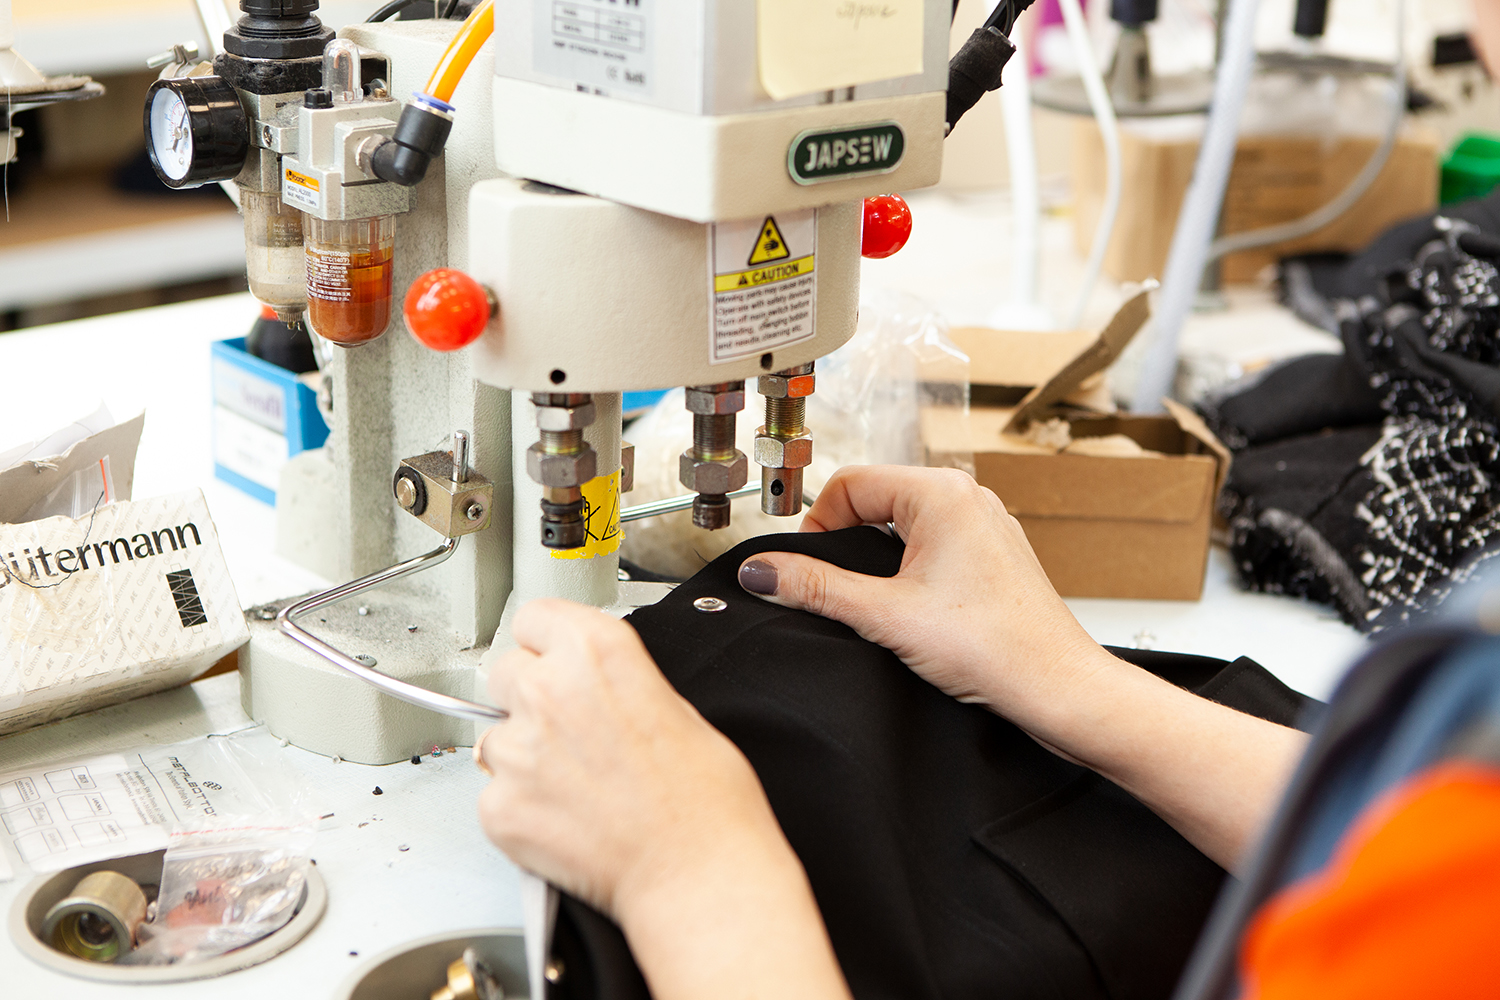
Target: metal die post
<point x="783" y="447"/>
<point x="440" y="490"/>
<point x="713" y="467"/>
<point x="562" y="461"/>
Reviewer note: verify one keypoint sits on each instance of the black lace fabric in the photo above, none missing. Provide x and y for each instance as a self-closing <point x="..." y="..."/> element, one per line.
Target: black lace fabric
<point x="1387" y="536"/>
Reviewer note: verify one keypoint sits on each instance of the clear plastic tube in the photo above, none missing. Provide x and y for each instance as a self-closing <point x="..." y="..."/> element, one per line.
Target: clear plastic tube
<point x="341" y="71"/>
<point x="273" y="253"/>
<point x="348" y="275"/>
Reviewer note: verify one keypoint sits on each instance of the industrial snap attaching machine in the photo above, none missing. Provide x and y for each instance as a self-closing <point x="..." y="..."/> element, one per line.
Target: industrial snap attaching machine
<point x="604" y="198"/>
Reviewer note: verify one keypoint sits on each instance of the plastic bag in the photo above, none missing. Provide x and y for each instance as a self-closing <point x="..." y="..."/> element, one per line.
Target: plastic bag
<point x="899" y="375"/>
<point x="231" y="878"/>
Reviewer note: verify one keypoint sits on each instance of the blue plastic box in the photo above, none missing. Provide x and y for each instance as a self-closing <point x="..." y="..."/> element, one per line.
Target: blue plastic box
<point x="263" y="415"/>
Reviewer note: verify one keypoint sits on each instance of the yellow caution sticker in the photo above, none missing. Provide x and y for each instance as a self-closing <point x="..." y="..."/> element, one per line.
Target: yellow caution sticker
<point x="601" y="517"/>
<point x="764" y="284"/>
<point x="769" y="245"/>
<point x="763" y="275"/>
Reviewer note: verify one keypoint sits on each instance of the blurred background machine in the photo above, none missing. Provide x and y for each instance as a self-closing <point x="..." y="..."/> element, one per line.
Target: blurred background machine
<point x="608" y="198"/>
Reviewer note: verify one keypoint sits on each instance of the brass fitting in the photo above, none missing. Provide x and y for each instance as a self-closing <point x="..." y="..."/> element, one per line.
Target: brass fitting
<point x="562" y="462"/>
<point x="98" y="920"/>
<point x="713" y="466"/>
<point x="783" y="446"/>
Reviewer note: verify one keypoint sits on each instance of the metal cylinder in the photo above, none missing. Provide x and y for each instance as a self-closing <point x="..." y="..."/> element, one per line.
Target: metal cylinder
<point x="713" y="435"/>
<point x="714" y="467"/>
<point x="564" y="462"/>
<point x="786" y="417"/>
<point x="97" y="921"/>
<point x="781" y="491"/>
<point x="783" y="447"/>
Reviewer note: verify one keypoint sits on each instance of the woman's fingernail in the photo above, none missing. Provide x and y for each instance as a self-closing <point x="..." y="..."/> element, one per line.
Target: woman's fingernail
<point x="758" y="577"/>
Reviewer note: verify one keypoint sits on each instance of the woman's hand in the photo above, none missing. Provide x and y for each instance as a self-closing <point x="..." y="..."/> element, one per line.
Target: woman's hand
<point x="971" y="609"/>
<point x="611" y="786"/>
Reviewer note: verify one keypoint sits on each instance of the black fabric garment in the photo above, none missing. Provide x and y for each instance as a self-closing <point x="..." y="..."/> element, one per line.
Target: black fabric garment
<point x="1291" y="507"/>
<point x="1382" y="523"/>
<point x="1301" y="396"/>
<point x="951" y="856"/>
<point x="1311" y="284"/>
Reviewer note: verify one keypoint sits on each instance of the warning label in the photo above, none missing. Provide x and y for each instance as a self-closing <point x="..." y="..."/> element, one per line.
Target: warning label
<point x="764" y="283"/>
<point x="300" y="190"/>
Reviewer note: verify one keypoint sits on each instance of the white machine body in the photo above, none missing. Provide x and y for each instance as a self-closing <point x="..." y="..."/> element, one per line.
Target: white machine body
<point x="633" y="237"/>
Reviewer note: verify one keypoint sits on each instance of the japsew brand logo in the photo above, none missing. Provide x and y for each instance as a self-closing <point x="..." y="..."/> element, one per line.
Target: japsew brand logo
<point x="43" y="568"/>
<point x="835" y="154"/>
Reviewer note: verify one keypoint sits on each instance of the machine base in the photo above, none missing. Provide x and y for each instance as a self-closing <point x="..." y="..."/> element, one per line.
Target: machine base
<point x="307" y="701"/>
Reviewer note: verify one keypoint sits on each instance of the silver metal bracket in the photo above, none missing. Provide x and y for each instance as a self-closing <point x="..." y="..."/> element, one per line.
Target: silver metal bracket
<point x="410" y="693"/>
<point x="439" y="490"/>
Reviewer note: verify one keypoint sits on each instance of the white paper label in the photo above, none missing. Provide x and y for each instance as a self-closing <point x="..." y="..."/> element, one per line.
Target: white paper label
<point x="247" y="448"/>
<point x="764" y="282"/>
<point x="300" y="190"/>
<point x="249" y="395"/>
<point x="603" y="44"/>
<point x="65" y="814"/>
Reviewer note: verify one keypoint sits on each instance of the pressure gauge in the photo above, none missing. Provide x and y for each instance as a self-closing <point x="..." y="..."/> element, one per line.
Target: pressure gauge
<point x="196" y="131"/>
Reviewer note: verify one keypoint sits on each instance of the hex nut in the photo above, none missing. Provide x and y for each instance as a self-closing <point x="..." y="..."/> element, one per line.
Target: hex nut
<point x="564" y="418"/>
<point x="715" y="403"/>
<point x="703" y="475"/>
<point x="787" y="387"/>
<point x="561" y="470"/>
<point x="783" y="453"/>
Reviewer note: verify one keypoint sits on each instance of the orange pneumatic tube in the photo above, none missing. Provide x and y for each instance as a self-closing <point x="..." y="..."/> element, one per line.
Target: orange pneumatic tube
<point x="476" y="30"/>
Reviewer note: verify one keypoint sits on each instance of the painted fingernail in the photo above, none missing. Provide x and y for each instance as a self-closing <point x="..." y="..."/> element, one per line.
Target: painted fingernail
<point x="758" y="577"/>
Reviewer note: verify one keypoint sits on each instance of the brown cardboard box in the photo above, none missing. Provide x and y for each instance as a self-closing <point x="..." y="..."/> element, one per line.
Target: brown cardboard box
<point x="1275" y="179"/>
<point x="1102" y="525"/>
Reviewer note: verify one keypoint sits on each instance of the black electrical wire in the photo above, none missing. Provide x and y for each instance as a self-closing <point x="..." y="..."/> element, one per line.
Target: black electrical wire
<point x="389" y="10"/>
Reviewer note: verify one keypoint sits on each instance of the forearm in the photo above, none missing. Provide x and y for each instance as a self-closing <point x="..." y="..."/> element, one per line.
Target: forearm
<point x="741" y="925"/>
<point x="1214" y="773"/>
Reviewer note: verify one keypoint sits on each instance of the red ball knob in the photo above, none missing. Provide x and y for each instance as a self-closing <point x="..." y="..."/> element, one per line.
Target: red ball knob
<point x="887" y="225"/>
<point x="446" y="309"/>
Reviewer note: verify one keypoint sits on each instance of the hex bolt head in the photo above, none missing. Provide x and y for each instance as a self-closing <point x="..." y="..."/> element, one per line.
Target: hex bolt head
<point x="716" y="476"/>
<point x="783" y="453"/>
<point x="786" y="386"/>
<point x="714" y="403"/>
<point x="564" y="418"/>
<point x="561" y="470"/>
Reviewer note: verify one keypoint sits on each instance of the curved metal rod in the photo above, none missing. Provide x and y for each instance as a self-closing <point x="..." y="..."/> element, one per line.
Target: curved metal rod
<point x="411" y="693"/>
<point x="671" y="505"/>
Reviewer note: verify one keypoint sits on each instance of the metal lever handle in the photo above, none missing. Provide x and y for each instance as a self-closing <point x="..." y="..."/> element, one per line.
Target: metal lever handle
<point x="410" y="693"/>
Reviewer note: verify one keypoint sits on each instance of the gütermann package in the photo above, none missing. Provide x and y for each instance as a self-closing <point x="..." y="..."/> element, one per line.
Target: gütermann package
<point x="127" y="600"/>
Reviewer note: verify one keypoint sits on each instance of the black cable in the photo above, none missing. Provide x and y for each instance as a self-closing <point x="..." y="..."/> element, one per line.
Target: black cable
<point x="389" y="10"/>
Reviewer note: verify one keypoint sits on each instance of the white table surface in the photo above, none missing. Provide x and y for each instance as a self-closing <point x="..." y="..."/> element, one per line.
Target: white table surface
<point x="158" y="360"/>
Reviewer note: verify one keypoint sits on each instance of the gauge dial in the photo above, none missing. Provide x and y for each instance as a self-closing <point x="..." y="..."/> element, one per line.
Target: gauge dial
<point x="171" y="134"/>
<point x="196" y="130"/>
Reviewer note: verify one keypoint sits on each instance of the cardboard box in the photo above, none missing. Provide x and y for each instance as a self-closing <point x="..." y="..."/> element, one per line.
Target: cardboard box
<point x="1275" y="179"/>
<point x="1103" y="525"/>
